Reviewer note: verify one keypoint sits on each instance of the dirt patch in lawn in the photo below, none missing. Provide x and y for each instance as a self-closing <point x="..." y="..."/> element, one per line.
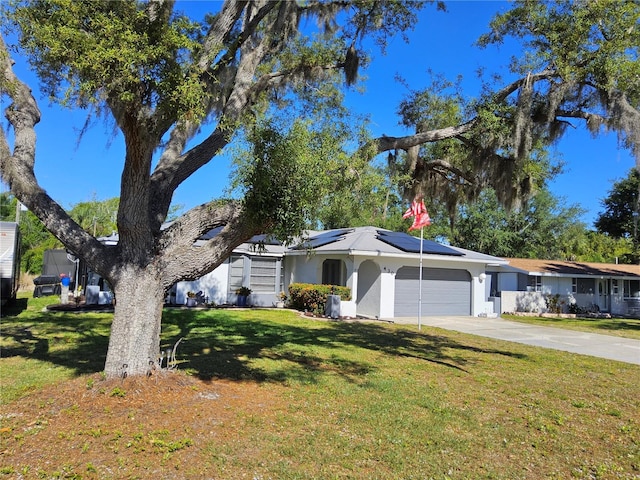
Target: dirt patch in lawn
<point x="167" y="426"/>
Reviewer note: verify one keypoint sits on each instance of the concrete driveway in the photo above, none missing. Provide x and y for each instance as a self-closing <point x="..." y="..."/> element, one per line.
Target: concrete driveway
<point x="596" y="345"/>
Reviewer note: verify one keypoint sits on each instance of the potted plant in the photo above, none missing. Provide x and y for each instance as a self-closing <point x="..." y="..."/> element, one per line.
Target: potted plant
<point x="242" y="293"/>
<point x="191" y="299"/>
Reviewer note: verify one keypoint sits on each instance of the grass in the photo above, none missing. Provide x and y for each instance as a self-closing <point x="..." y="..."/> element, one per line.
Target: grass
<point x="620" y="327"/>
<point x="316" y="399"/>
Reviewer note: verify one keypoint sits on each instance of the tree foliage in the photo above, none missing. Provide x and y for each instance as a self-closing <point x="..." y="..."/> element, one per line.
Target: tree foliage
<point x="539" y="229"/>
<point x="97" y="217"/>
<point x="621" y="208"/>
<point x="580" y="64"/>
<point x="280" y="176"/>
<point x="8" y="205"/>
<point x="544" y="227"/>
<point x="621" y="215"/>
<point x="587" y="56"/>
<point x="113" y="53"/>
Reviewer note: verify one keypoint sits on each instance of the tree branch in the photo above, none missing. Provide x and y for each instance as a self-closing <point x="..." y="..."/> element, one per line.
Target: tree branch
<point x="17" y="168"/>
<point x="589" y="117"/>
<point x="440" y="164"/>
<point x="384" y="143"/>
<point x="182" y="260"/>
<point x="174" y="167"/>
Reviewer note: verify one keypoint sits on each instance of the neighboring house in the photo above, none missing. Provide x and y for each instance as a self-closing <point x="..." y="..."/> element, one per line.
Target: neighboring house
<point x="381" y="268"/>
<point x="527" y="284"/>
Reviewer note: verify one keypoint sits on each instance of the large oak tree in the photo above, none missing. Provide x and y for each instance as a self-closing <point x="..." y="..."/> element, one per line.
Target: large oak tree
<point x="162" y="78"/>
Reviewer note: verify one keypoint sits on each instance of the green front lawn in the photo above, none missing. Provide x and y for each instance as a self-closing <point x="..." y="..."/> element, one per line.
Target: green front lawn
<point x="341" y="400"/>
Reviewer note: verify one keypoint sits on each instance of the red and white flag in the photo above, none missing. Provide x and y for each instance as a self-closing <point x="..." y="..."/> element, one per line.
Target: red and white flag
<point x="418" y="211"/>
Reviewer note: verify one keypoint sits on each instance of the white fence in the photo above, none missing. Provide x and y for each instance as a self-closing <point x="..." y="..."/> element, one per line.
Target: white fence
<point x="535" y="302"/>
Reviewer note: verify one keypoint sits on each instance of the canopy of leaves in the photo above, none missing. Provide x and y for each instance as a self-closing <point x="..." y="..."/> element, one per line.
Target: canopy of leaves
<point x="621" y="208"/>
<point x="97" y="217"/>
<point x="280" y="175"/>
<point x="580" y="64"/>
<point x="540" y="229"/>
<point x="95" y="51"/>
<point x="454" y="170"/>
<point x="591" y="53"/>
<point x="621" y="216"/>
<point x="543" y="228"/>
<point x="8" y="205"/>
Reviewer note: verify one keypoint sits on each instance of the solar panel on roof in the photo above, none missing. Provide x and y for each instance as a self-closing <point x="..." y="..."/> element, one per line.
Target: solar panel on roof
<point x="324" y="238"/>
<point x="410" y="244"/>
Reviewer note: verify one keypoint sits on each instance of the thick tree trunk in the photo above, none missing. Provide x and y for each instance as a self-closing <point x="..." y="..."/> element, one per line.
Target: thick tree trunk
<point x="135" y="333"/>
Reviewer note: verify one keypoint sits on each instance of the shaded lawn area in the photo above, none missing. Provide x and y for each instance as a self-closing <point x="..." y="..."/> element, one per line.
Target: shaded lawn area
<point x="269" y="394"/>
<point x="619" y="327"/>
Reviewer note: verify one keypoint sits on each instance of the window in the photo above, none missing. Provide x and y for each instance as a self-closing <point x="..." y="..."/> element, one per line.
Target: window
<point x="263" y="275"/>
<point x="333" y="272"/>
<point x="535" y="283"/>
<point x="631" y="288"/>
<point x="614" y="286"/>
<point x="585" y="285"/>
<point x="236" y="270"/>
<point x="574" y="285"/>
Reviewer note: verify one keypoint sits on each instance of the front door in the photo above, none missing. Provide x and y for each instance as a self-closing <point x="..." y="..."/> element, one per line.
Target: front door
<point x="603" y="295"/>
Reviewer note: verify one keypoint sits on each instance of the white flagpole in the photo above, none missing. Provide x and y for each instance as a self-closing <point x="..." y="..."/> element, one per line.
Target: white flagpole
<point x="420" y="284"/>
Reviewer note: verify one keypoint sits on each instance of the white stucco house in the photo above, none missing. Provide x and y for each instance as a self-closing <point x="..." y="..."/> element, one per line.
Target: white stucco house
<point x="381" y="268"/>
<point x="523" y="285"/>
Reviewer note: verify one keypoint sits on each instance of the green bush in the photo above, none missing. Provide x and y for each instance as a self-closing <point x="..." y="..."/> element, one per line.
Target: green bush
<point x="311" y="297"/>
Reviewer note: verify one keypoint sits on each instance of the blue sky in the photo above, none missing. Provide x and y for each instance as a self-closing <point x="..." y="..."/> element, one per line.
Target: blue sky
<point x="73" y="171"/>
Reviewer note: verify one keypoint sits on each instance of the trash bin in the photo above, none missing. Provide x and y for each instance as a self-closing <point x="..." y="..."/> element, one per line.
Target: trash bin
<point x="332" y="307"/>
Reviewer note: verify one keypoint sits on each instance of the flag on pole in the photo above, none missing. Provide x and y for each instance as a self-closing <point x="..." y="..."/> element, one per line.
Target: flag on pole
<point x="418" y="211"/>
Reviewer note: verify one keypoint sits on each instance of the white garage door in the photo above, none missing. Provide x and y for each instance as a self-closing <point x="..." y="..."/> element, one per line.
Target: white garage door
<point x="444" y="292"/>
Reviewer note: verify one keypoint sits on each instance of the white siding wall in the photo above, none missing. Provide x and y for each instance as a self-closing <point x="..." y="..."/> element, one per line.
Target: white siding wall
<point x="304" y="269"/>
<point x="213" y="285"/>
